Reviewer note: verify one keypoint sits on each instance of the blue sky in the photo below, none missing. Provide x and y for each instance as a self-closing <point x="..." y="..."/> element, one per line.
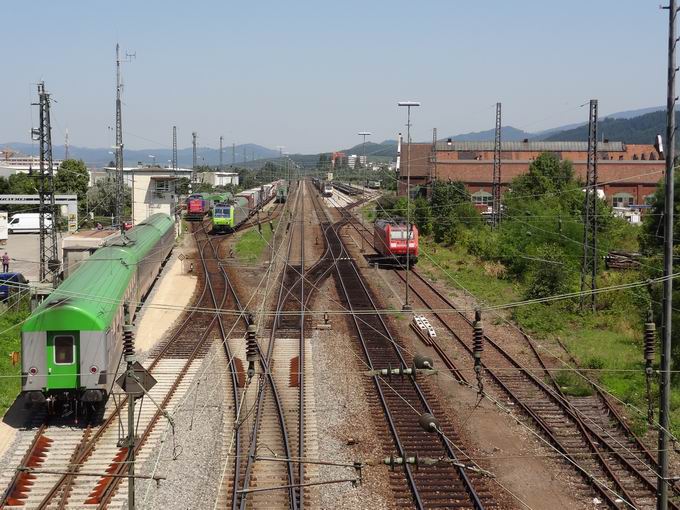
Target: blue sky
<point x="309" y="75"/>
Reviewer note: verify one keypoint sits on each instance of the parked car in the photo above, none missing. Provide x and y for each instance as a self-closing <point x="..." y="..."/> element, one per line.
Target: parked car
<point x="6" y="284"/>
<point x="28" y="223"/>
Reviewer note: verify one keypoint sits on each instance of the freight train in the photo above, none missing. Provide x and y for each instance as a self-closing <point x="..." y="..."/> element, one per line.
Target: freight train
<point x="389" y="240"/>
<point x="71" y="345"/>
<point x="231" y="214"/>
<point x="201" y="204"/>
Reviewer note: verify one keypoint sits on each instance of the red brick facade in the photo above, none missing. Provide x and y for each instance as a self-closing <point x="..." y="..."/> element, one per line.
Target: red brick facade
<point x="635" y="171"/>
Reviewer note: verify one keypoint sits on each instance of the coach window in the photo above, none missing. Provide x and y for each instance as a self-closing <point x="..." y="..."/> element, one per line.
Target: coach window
<point x="482" y="198"/>
<point x="64" y="350"/>
<point x="622" y="200"/>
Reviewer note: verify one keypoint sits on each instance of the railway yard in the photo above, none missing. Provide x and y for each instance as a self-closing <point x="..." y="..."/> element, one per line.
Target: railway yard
<point x="264" y="401"/>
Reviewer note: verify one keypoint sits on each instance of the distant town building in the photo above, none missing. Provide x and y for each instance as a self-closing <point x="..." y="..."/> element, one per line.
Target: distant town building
<point x="352" y="160"/>
<point x="14" y="163"/>
<point x="628" y="173"/>
<point x="218" y="178"/>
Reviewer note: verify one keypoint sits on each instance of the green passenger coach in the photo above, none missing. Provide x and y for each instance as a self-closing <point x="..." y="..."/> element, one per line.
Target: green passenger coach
<point x="72" y="343"/>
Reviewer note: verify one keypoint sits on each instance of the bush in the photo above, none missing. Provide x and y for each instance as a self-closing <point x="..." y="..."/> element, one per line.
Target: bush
<point x="550" y="273"/>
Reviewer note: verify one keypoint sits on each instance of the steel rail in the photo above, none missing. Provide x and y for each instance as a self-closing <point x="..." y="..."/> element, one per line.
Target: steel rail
<point x="265" y="361"/>
<point x="87" y="443"/>
<point x="351" y="266"/>
<point x="561" y="400"/>
<point x="112" y="485"/>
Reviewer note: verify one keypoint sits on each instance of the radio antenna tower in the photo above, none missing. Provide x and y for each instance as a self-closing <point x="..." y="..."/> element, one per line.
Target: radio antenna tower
<point x="66" y="145"/>
<point x="589" y="265"/>
<point x="49" y="258"/>
<point x="496" y="186"/>
<point x="120" y="179"/>
<point x="174" y="148"/>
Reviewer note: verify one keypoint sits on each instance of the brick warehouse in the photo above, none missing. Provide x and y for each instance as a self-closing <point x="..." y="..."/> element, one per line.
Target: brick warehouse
<point x="628" y="173"/>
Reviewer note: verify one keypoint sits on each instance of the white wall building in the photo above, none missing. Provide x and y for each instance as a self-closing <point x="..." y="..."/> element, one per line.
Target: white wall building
<point x="153" y="190"/>
<point x="218" y="178"/>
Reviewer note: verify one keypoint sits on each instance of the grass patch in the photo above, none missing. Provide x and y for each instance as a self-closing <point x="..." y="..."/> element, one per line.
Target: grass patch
<point x="572" y="384"/>
<point x="10" y="342"/>
<point x="459" y="269"/>
<point x="252" y="244"/>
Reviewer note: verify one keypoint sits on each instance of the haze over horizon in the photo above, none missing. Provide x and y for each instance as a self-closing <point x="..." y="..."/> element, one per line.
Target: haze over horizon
<point x="309" y="76"/>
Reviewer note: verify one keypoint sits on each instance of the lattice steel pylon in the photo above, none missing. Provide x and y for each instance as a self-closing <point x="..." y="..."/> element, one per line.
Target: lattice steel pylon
<point x="496" y="182"/>
<point x="589" y="265"/>
<point x="49" y="256"/>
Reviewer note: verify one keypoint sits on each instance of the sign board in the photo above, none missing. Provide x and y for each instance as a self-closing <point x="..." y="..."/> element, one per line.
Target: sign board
<point x="3" y="227"/>
<point x="181" y="256"/>
<point x="72" y="222"/>
<point x="134" y="386"/>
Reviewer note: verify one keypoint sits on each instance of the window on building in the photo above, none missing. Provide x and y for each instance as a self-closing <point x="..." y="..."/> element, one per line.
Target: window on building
<point x="482" y="198"/>
<point x="162" y="186"/>
<point x="622" y="200"/>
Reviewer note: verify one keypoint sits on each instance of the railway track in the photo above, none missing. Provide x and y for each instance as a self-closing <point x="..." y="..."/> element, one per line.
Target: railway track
<point x="281" y="389"/>
<point x="64" y="463"/>
<point x="587" y="431"/>
<point x="401" y="400"/>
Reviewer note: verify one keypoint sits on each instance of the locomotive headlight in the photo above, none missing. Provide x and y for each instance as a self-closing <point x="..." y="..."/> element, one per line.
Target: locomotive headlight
<point x="33" y="371"/>
<point x="94" y="369"/>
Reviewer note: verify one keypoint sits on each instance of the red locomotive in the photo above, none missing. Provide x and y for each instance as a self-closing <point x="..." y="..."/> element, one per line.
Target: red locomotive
<point x="197" y="207"/>
<point x="389" y="239"/>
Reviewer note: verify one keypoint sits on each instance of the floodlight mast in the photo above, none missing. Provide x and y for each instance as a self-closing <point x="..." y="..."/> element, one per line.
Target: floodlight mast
<point x="364" y="134"/>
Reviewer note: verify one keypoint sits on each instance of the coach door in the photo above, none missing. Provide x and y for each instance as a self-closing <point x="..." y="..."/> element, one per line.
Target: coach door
<point x="63" y="363"/>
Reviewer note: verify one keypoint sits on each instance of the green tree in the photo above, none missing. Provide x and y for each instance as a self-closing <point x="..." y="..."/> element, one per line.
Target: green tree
<point x="653" y="228"/>
<point x="101" y="198"/>
<point x="422" y="216"/>
<point x="182" y="186"/>
<point x="72" y="177"/>
<point x="547" y="174"/>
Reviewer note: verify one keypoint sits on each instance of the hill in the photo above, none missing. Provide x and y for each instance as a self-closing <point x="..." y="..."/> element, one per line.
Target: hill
<point x="101" y="157"/>
<point x="641" y="129"/>
<point x="508" y="133"/>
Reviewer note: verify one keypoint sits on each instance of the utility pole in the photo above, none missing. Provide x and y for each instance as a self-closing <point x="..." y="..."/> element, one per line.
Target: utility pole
<point x="408" y="104"/>
<point x="221" y="138"/>
<point x="174" y="148"/>
<point x="129" y="352"/>
<point x="66" y="145"/>
<point x="496" y="183"/>
<point x="49" y="257"/>
<point x="665" y="365"/>
<point x="590" y="212"/>
<point x="233" y="154"/>
<point x="433" y="172"/>
<point x="364" y="134"/>
<point x="194" y="135"/>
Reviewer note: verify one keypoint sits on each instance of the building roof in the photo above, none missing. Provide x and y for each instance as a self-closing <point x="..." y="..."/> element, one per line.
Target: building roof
<point x="531" y="146"/>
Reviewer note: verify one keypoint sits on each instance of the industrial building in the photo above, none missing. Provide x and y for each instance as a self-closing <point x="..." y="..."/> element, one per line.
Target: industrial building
<point x="628" y="174"/>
